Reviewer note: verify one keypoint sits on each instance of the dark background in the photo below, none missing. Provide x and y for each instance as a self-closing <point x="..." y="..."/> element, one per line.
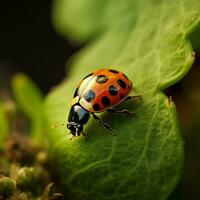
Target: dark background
<point x="29" y="43"/>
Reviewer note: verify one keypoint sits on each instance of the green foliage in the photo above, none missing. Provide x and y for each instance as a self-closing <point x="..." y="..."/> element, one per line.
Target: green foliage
<point x="148" y="41"/>
<point x="4" y="128"/>
<point x="30" y="101"/>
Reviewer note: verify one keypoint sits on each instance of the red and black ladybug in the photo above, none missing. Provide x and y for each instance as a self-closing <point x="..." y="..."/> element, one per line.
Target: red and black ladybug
<point x="99" y="91"/>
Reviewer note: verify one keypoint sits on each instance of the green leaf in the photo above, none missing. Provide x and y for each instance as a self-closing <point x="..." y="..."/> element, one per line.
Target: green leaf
<point x="4" y="127"/>
<point x="30" y="101"/>
<point x="147" y="40"/>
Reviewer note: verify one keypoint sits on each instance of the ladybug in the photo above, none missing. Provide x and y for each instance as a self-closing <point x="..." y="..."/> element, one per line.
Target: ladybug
<point x="99" y="91"/>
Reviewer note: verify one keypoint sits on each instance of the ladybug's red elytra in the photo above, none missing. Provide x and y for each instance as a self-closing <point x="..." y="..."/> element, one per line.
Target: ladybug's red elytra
<point x="99" y="91"/>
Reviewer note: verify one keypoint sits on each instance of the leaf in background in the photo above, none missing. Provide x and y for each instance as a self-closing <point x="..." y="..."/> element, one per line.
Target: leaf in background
<point x="30" y="101"/>
<point x="4" y="127"/>
<point x="148" y="41"/>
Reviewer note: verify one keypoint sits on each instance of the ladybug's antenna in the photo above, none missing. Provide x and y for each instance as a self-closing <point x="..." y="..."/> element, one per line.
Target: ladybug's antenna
<point x="58" y="125"/>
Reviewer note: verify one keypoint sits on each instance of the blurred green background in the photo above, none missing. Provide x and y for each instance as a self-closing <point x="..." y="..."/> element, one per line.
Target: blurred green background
<point x="29" y="44"/>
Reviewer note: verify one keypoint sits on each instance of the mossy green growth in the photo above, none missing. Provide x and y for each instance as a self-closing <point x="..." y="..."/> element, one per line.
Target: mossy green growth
<point x="148" y="40"/>
<point x="7" y="187"/>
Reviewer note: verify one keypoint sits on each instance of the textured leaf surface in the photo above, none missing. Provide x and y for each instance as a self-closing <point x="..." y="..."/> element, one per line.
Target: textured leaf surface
<point x="148" y="41"/>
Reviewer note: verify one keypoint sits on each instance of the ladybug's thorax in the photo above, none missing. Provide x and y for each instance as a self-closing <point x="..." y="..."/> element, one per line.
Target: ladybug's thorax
<point x="78" y="117"/>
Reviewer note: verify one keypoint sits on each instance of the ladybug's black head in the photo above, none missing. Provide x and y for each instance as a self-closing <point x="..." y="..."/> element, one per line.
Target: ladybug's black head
<point x="75" y="128"/>
<point x="78" y="117"/>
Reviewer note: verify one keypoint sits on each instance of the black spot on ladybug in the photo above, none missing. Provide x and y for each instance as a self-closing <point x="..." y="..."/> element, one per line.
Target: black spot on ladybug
<point x="87" y="76"/>
<point x="101" y="79"/>
<point x="96" y="107"/>
<point x="121" y="83"/>
<point x="113" y="90"/>
<point x="105" y="101"/>
<point x="89" y="96"/>
<point x="121" y="96"/>
<point x="113" y="71"/>
<point x="76" y="92"/>
<point x="125" y="76"/>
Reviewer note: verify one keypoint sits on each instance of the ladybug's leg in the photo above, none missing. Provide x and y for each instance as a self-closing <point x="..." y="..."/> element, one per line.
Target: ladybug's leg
<point x="85" y="135"/>
<point x="131" y="97"/>
<point x="107" y="126"/>
<point x="124" y="111"/>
